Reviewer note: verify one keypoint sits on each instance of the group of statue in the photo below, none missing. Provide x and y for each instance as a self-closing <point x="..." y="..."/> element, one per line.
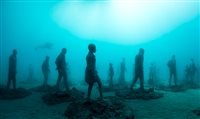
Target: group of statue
<point x="91" y="73"/>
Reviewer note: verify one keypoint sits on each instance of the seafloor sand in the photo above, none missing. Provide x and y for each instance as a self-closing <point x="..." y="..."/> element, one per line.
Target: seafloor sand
<point x="172" y="106"/>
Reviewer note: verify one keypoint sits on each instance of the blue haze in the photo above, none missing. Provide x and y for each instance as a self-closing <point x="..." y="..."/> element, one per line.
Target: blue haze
<point x="26" y="25"/>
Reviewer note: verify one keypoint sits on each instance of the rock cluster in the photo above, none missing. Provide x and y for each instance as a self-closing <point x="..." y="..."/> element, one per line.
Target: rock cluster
<point x="113" y="108"/>
<point x="11" y="94"/>
<point x="61" y="96"/>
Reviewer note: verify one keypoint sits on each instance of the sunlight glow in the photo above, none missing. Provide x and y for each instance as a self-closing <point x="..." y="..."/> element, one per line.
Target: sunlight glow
<point x="123" y="21"/>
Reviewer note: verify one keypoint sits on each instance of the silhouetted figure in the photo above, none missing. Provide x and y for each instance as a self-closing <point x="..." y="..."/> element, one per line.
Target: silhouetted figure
<point x="45" y="70"/>
<point x="152" y="74"/>
<point x="61" y="67"/>
<point x="62" y="85"/>
<point x="187" y="72"/>
<point x="91" y="75"/>
<point x="198" y="73"/>
<point x="172" y="70"/>
<point x="12" y="69"/>
<point x="139" y="58"/>
<point x="30" y="73"/>
<point x="122" y="72"/>
<point x="111" y="74"/>
<point x="193" y="70"/>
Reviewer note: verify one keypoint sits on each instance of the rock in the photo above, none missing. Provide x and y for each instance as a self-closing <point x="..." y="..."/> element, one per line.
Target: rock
<point x="10" y="94"/>
<point x="129" y="114"/>
<point x="113" y="108"/>
<point x="61" y="97"/>
<point x="196" y="111"/>
<point x="138" y="94"/>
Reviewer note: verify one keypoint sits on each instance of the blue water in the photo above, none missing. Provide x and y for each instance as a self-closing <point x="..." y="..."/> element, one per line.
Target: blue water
<point x="118" y="28"/>
<point x="27" y="25"/>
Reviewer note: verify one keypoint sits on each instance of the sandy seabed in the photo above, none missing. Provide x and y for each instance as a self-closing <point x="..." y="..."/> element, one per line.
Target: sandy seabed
<point x="171" y="106"/>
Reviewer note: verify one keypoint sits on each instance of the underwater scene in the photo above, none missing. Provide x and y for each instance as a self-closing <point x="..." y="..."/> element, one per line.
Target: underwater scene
<point x="100" y="59"/>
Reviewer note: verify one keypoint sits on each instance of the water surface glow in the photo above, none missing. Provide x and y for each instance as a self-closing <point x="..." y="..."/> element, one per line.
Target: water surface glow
<point x="123" y="21"/>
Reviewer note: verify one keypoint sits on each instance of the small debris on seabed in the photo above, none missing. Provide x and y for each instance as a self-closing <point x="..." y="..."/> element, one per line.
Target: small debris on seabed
<point x="54" y="98"/>
<point x="112" y="108"/>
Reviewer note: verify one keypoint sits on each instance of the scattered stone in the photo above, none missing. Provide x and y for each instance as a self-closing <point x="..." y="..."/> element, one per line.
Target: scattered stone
<point x="11" y="94"/>
<point x="47" y="88"/>
<point x="138" y="94"/>
<point x="61" y="97"/>
<point x="196" y="111"/>
<point x="113" y="108"/>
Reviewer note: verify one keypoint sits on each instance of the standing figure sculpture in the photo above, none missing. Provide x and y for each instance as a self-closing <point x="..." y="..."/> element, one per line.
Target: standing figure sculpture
<point x="139" y="74"/>
<point x="111" y="74"/>
<point x="91" y="75"/>
<point x="12" y="69"/>
<point x="45" y="70"/>
<point x="61" y="67"/>
<point x="172" y="70"/>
